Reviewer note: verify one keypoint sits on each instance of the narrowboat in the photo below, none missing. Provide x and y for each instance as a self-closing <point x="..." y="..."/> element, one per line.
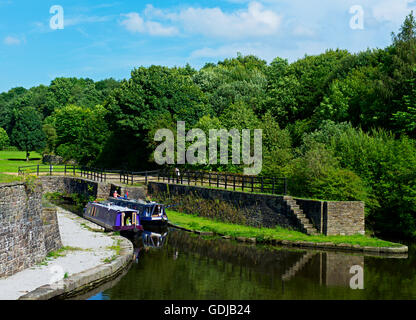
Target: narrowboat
<point x="113" y="217"/>
<point x="150" y="212"/>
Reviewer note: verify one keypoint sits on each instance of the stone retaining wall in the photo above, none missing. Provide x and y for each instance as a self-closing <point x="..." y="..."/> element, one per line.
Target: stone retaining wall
<point x="27" y="232"/>
<point x="70" y="185"/>
<point x="262" y="210"/>
<point x="243" y="208"/>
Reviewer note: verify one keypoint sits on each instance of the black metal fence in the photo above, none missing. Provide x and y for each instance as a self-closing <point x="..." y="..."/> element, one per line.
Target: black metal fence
<point x="228" y="181"/>
<point x="96" y="174"/>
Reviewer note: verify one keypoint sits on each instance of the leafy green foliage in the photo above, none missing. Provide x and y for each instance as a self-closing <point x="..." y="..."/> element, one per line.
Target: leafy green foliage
<point x="4" y="139"/>
<point x="27" y="133"/>
<point x="80" y="133"/>
<point x="340" y="126"/>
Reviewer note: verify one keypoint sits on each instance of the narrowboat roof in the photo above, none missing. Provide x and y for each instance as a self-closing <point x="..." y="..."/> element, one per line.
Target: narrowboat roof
<point x="141" y="202"/>
<point x="112" y="206"/>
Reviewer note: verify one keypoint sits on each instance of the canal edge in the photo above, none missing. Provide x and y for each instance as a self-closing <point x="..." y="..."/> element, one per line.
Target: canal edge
<point x="86" y="280"/>
<point x="305" y="244"/>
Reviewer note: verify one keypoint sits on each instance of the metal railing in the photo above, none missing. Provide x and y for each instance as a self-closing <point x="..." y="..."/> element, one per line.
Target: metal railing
<point x="95" y="174"/>
<point x="228" y="181"/>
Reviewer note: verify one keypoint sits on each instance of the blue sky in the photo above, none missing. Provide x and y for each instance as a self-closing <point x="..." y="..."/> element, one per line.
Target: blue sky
<point x="105" y="38"/>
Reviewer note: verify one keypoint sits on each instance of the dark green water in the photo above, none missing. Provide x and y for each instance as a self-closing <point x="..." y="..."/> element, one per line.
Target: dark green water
<point x="186" y="266"/>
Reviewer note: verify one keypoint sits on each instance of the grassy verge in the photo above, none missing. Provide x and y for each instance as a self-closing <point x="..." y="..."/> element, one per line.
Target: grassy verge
<point x="194" y="222"/>
<point x="10" y="161"/>
<point x="62" y="252"/>
<point x="6" y="178"/>
<point x="117" y="248"/>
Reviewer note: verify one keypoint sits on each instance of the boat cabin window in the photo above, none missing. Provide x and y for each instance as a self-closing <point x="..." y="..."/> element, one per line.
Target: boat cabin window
<point x="158" y="210"/>
<point x="92" y="211"/>
<point x="129" y="219"/>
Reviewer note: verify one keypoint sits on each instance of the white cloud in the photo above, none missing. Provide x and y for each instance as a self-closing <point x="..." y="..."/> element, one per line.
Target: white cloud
<point x="135" y="23"/>
<point x="393" y="10"/>
<point x="214" y="22"/>
<point x="11" y="41"/>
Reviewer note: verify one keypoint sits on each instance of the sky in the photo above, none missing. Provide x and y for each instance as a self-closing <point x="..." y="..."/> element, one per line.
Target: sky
<point x="99" y="39"/>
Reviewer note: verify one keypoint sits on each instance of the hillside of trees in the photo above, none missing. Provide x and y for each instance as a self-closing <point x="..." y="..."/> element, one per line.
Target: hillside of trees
<point x="340" y="126"/>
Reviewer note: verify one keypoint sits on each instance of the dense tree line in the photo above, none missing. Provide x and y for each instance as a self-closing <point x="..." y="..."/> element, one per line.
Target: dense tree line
<point x="340" y="126"/>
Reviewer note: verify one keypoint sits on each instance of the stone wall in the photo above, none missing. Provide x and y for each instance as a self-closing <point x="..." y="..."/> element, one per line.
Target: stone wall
<point x="51" y="229"/>
<point x="134" y="192"/>
<point x="70" y="185"/>
<point x="260" y="210"/>
<point x="257" y="210"/>
<point x="26" y="234"/>
<point x="313" y="210"/>
<point x="343" y="217"/>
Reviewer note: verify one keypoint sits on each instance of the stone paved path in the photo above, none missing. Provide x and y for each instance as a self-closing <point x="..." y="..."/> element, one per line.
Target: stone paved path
<point x="93" y="249"/>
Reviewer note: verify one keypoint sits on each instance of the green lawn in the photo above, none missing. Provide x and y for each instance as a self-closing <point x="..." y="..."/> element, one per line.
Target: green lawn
<point x="5" y="178"/>
<point x="203" y="224"/>
<point x="10" y="161"/>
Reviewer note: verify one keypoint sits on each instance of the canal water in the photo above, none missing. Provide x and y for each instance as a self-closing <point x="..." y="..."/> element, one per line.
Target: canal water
<point x="173" y="264"/>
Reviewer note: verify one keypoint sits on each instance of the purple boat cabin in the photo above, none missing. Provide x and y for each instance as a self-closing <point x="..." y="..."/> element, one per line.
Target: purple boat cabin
<point x="113" y="217"/>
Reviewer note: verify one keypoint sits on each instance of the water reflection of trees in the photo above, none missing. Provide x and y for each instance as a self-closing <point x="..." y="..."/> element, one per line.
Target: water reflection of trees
<point x="327" y="268"/>
<point x="191" y="267"/>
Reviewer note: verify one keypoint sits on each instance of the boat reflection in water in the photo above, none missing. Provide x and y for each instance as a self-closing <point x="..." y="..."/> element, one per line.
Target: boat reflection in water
<point x="151" y="237"/>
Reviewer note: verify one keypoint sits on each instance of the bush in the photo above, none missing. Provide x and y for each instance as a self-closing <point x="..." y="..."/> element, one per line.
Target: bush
<point x="4" y="139"/>
<point x="317" y="174"/>
<point x="386" y="164"/>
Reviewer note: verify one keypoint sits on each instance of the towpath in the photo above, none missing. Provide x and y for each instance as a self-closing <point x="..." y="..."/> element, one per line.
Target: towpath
<point x="86" y="249"/>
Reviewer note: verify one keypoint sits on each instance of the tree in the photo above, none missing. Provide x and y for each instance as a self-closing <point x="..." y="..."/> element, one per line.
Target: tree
<point x="242" y="79"/>
<point x="51" y="137"/>
<point x="140" y="102"/>
<point x="4" y="139"/>
<point x="81" y="133"/>
<point x="27" y="133"/>
<point x="406" y="120"/>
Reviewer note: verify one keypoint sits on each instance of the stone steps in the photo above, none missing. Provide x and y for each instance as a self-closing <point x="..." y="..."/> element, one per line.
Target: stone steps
<point x="304" y="221"/>
<point x="298" y="266"/>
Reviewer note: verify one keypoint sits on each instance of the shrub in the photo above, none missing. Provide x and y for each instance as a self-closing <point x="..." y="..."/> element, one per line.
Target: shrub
<point x="4" y="139"/>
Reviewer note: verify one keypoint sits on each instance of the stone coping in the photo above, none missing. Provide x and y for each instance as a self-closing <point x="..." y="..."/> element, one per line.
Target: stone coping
<point x="11" y="184"/>
<point x="86" y="280"/>
<point x="308" y="245"/>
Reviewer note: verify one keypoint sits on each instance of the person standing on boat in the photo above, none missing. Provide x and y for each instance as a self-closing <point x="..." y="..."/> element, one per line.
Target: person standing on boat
<point x="115" y="195"/>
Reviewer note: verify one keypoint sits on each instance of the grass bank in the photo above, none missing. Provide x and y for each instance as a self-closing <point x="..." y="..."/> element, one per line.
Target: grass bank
<point x="6" y="178"/>
<point x="194" y="222"/>
<point x="10" y="161"/>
